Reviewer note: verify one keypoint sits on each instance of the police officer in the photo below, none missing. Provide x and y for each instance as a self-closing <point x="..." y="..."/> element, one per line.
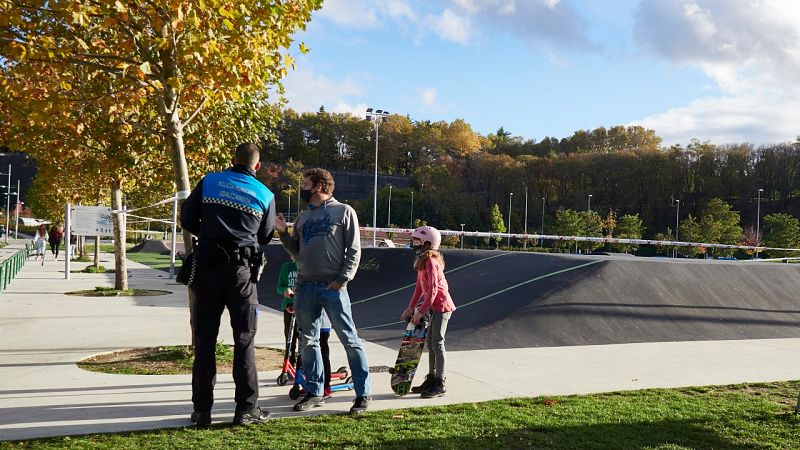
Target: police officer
<point x="232" y="214"/>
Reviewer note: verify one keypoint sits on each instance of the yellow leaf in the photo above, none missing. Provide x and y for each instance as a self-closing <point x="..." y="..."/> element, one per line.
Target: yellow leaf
<point x="145" y="68"/>
<point x="228" y="24"/>
<point x="303" y="48"/>
<point x="174" y="82"/>
<point x="120" y="7"/>
<point x="17" y="50"/>
<point x="82" y="44"/>
<point x="66" y="86"/>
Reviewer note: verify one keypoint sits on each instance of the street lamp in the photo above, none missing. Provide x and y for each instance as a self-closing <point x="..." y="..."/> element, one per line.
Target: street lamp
<point x="677" y="223"/>
<point x="525" y="230"/>
<point x="510" y="196"/>
<point x="589" y="206"/>
<point x="16" y="224"/>
<point x="8" y="210"/>
<point x="8" y="200"/>
<point x="377" y="117"/>
<point x="541" y="239"/>
<point x="289" y="209"/>
<point x="16" y="211"/>
<point x="411" y="224"/>
<point x="389" y="215"/>
<point x="462" y="236"/>
<point x="299" y="186"/>
<point x="758" y="221"/>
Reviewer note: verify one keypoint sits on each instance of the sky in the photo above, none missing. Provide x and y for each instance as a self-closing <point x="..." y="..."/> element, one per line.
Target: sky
<point x="724" y="71"/>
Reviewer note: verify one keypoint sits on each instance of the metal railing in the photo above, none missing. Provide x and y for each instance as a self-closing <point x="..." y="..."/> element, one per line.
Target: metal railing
<point x="11" y="267"/>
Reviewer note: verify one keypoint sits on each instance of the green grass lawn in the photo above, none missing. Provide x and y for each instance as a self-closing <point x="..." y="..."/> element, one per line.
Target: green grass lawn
<point x="721" y="417"/>
<point x="153" y="260"/>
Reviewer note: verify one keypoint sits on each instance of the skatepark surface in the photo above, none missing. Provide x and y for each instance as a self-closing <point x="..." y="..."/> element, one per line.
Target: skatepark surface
<point x="527" y="325"/>
<point x="518" y="300"/>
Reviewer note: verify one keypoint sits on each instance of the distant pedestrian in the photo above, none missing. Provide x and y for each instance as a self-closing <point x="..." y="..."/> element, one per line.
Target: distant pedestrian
<point x="73" y="244"/>
<point x="56" y="234"/>
<point x="431" y="293"/>
<point x="39" y="241"/>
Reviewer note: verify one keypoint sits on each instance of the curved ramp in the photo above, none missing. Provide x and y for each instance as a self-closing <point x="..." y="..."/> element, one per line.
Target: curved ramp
<point x="515" y="300"/>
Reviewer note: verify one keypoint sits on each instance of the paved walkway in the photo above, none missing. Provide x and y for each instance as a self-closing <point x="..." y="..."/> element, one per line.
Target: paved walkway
<point x="45" y="332"/>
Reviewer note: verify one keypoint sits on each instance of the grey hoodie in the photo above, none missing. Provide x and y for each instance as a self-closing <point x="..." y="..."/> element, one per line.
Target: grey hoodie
<point x="325" y="242"/>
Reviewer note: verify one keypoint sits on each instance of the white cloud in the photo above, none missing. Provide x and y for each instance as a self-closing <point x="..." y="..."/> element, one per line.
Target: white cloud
<point x="451" y="26"/>
<point x="737" y="119"/>
<point x="470" y="6"/>
<point x="752" y="52"/>
<point x="356" y="110"/>
<point x="534" y="21"/>
<point x="352" y="13"/>
<point x="307" y="91"/>
<point x="428" y="97"/>
<point x="401" y="9"/>
<point x="552" y="3"/>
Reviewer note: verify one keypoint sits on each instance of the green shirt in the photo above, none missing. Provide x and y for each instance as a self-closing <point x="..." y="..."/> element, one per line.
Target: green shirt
<point x="286" y="280"/>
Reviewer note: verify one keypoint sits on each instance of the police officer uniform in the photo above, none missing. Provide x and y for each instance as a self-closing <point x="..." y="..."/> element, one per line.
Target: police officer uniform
<point x="232" y="214"/>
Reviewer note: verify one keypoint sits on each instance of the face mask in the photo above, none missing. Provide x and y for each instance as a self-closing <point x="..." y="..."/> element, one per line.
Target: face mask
<point x="306" y="195"/>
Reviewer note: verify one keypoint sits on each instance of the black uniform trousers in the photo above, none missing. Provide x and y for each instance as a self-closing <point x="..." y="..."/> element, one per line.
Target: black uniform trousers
<point x="220" y="285"/>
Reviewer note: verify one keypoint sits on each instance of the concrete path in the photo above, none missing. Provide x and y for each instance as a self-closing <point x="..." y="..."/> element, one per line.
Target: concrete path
<point x="45" y="332"/>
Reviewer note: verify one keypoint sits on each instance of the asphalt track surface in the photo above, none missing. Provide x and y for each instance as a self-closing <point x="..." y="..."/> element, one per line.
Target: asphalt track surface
<point x="520" y="300"/>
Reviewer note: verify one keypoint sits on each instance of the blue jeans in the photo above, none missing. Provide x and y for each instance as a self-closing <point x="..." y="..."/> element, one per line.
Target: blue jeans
<point x="309" y="300"/>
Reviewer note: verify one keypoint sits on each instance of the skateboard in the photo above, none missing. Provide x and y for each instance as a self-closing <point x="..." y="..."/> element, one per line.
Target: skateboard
<point x="409" y="355"/>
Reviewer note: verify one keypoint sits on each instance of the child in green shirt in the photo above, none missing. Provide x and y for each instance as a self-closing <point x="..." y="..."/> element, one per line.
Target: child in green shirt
<point x="285" y="287"/>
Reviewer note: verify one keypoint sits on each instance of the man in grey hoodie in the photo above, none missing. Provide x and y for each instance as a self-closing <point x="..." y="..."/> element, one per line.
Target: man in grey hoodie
<point x="326" y="244"/>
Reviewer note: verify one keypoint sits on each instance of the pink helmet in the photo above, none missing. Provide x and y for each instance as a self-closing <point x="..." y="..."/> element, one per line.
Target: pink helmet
<point x="428" y="234"/>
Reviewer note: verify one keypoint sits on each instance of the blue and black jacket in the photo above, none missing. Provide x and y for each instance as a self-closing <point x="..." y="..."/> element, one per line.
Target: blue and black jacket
<point x="231" y="208"/>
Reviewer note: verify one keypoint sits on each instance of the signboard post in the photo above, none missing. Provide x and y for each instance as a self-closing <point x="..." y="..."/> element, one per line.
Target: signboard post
<point x="87" y="221"/>
<point x="92" y="221"/>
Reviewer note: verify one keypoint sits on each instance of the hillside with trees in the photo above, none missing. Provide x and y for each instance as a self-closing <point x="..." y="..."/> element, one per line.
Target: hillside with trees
<point x="459" y="176"/>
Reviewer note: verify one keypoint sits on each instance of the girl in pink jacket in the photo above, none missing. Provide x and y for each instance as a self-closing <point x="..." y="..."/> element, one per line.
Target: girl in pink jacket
<point x="431" y="294"/>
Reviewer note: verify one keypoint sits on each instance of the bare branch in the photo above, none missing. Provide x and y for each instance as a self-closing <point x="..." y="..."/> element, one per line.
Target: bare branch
<point x="196" y="111"/>
<point x="144" y="128"/>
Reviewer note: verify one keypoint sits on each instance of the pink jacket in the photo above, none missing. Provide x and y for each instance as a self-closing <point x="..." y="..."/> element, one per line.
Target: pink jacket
<point x="432" y="286"/>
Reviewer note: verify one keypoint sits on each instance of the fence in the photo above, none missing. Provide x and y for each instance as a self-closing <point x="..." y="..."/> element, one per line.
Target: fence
<point x="11" y="266"/>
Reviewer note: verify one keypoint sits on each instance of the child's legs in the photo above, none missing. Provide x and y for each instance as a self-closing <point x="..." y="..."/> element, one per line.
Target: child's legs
<point x="437" y="357"/>
<point x="324" y="334"/>
<point x="287" y="322"/>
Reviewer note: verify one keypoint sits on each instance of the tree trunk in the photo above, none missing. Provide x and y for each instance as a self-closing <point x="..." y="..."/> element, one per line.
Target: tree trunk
<point x="120" y="266"/>
<point x="170" y="112"/>
<point x="97" y="251"/>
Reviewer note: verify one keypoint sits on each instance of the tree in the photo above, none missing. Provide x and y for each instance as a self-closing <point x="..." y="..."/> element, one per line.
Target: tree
<point x="720" y="225"/>
<point x="498" y="225"/>
<point x="689" y="231"/>
<point x="630" y="226"/>
<point x="592" y="227"/>
<point x="149" y="69"/>
<point x="782" y="231"/>
<point x="460" y="140"/>
<point x="665" y="236"/>
<point x="158" y="60"/>
<point x="568" y="223"/>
